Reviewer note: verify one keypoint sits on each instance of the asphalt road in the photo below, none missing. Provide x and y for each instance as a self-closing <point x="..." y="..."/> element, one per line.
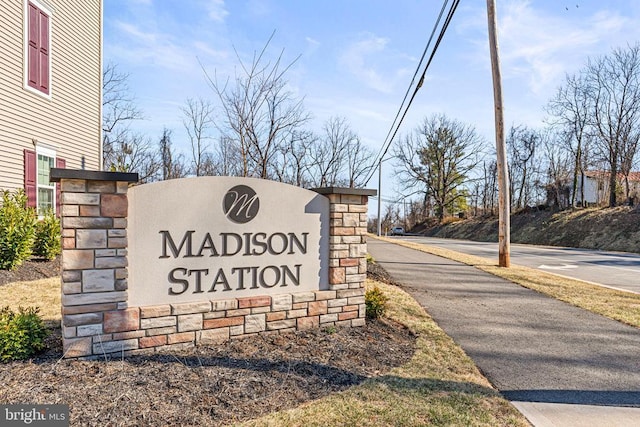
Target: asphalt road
<point x="613" y="269"/>
<point x="533" y="348"/>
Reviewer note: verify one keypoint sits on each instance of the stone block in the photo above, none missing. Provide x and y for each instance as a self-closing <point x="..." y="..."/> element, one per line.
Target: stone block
<point x="281" y="302"/>
<point x="292" y="314"/>
<point x="341" y="302"/>
<point x="250" y="302"/>
<point x="122" y="320"/>
<point x="308" y="322"/>
<point x="334" y="262"/>
<point x="213" y="315"/>
<point x="101" y="253"/>
<point x="115" y="346"/>
<point x="349" y="271"/>
<point x="189" y="322"/>
<point x="70" y="210"/>
<point x="122" y="252"/>
<point x="350" y="219"/>
<point x="122" y="187"/>
<point x="236" y="330"/>
<point x="279" y="315"/>
<point x="257" y="310"/>
<point x="86" y="222"/>
<point x="303" y="297"/>
<point x="128" y="335"/>
<point x="77" y="347"/>
<point x="94" y="298"/>
<point x="338" y="207"/>
<point x="68" y="232"/>
<point x="281" y="324"/>
<point x="69" y="288"/>
<point x="317" y="307"/>
<point x="81" y="319"/>
<point x="71" y="276"/>
<point x="350" y="307"/>
<point x="111" y="262"/>
<point x="332" y="310"/>
<point x="352" y="199"/>
<point x="89" y="330"/>
<point x="89" y="211"/>
<point x="114" y="205"/>
<point x="117" y="233"/>
<point x="356" y="278"/>
<point x="154" y="341"/>
<point x="349" y="262"/>
<point x="101" y="186"/>
<point x="337" y="275"/>
<point x="162" y="331"/>
<point x="223" y="322"/>
<point x="118" y="242"/>
<point x="329" y="318"/>
<point x="230" y="304"/>
<point x="69" y="332"/>
<point x="358" y="322"/>
<point x="255" y="323"/>
<point x="98" y="280"/>
<point x="357" y="250"/>
<point x="347" y="315"/>
<point x="355" y="300"/>
<point x="350" y="293"/>
<point x="120" y="223"/>
<point x="155" y="311"/>
<point x="121" y="285"/>
<point x="90" y="308"/>
<point x="299" y="305"/>
<point x="212" y="336"/>
<point x="339" y="286"/>
<point x="238" y="312"/>
<point x="181" y="337"/>
<point x="323" y="295"/>
<point x="73" y="185"/>
<point x="191" y="307"/>
<point x="358" y="209"/>
<point x="74" y="259"/>
<point x="121" y="273"/>
<point x="80" y="198"/>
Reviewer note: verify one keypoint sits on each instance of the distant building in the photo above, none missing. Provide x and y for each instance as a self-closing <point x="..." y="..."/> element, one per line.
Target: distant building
<point x="50" y="93"/>
<point x="596" y="187"/>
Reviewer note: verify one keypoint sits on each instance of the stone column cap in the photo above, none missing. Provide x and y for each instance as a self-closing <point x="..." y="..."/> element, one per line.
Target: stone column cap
<point x="345" y="190"/>
<point x="57" y="174"/>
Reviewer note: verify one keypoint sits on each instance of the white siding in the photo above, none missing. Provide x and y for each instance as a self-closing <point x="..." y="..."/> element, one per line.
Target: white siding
<point x="70" y="121"/>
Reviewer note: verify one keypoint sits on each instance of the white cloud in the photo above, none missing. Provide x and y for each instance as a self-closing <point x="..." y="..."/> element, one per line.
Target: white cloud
<point x="216" y="10"/>
<point x="357" y="60"/>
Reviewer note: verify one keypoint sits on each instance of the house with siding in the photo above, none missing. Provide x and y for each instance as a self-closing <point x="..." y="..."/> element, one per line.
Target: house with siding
<point x="50" y="93"/>
<point x="596" y="187"/>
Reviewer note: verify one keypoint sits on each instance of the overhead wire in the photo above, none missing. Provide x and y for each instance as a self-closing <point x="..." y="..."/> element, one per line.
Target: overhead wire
<point x="388" y="141"/>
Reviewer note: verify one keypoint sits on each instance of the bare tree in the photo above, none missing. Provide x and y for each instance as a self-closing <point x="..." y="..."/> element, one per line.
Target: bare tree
<point x="172" y="163"/>
<point x="570" y="111"/>
<point x="198" y="122"/>
<point x="439" y="157"/>
<point x="136" y="154"/>
<point x="118" y="111"/>
<point x="522" y="145"/>
<point x="614" y="84"/>
<point x="559" y="162"/>
<point x="260" y="112"/>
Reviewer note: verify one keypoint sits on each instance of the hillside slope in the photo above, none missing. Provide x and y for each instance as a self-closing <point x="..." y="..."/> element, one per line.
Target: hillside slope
<point x="613" y="229"/>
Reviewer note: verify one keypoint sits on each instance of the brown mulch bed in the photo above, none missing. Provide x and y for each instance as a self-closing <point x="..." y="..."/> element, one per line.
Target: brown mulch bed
<point x="217" y="385"/>
<point x="33" y="269"/>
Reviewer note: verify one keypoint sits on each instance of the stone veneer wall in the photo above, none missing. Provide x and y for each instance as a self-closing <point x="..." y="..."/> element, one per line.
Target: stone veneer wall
<point x="96" y="319"/>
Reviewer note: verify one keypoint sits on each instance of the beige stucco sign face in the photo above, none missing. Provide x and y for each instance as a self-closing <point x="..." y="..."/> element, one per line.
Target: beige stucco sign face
<point x="212" y="238"/>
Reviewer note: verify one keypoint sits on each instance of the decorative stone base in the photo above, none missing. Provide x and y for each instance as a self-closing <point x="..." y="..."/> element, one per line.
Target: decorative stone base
<point x="96" y="317"/>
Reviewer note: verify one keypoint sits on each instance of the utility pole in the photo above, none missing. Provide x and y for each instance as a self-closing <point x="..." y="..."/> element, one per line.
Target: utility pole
<point x="379" y="196"/>
<point x="504" y="226"/>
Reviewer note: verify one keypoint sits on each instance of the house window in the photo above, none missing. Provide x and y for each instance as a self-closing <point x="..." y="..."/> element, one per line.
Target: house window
<point x="46" y="188"/>
<point x="42" y="194"/>
<point x="38" y="47"/>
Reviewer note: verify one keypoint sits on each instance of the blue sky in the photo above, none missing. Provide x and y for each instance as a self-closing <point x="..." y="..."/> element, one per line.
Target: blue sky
<point x="357" y="57"/>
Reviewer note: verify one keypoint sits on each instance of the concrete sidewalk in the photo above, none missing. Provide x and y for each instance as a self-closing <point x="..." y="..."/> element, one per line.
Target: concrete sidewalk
<point x="560" y="365"/>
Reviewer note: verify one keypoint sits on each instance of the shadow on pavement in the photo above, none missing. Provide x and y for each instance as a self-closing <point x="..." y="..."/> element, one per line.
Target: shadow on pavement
<point x="576" y="397"/>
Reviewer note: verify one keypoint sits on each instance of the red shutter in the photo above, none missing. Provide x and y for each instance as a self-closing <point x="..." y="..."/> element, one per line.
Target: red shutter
<point x="30" y="177"/>
<point x="60" y="163"/>
<point x="34" y="40"/>
<point x="44" y="53"/>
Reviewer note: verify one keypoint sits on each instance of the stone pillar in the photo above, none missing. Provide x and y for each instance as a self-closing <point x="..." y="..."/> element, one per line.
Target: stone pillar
<point x="347" y="253"/>
<point x="94" y="255"/>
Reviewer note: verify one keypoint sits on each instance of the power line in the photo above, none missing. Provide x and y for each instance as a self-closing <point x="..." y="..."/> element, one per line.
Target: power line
<point x="388" y="141"/>
<point x="424" y="53"/>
